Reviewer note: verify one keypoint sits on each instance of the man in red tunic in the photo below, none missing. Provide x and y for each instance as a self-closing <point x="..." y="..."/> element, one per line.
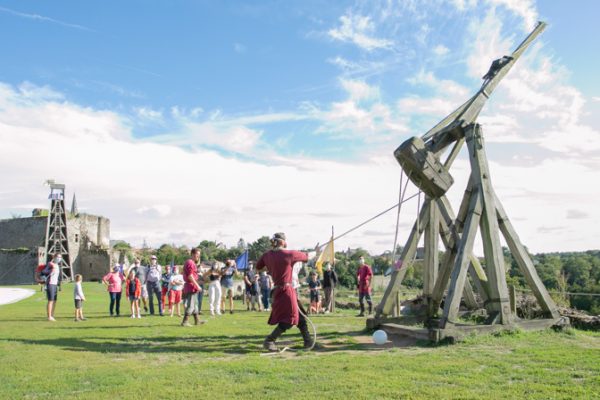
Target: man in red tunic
<point x="191" y="288"/>
<point x="284" y="312"/>
<point x="363" y="277"/>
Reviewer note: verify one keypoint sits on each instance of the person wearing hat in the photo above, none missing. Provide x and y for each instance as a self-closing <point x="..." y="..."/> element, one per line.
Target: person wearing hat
<point x="113" y="281"/>
<point x="153" y="278"/>
<point x="284" y="311"/>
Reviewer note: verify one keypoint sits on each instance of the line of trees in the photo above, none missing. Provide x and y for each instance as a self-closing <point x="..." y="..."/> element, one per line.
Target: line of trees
<point x="574" y="272"/>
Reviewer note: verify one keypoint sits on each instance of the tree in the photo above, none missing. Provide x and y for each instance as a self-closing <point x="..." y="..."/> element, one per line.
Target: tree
<point x="259" y="247"/>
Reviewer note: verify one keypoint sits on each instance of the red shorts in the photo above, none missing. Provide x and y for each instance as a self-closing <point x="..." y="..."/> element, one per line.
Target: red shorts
<point x="175" y="297"/>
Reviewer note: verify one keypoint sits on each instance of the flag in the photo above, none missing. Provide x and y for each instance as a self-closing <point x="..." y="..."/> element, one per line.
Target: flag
<point x="327" y="255"/>
<point x="242" y="261"/>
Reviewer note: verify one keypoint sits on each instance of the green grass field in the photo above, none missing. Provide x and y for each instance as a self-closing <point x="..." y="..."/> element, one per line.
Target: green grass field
<point x="151" y="358"/>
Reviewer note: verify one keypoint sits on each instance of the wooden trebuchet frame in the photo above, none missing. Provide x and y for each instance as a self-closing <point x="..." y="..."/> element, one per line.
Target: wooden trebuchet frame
<point x="446" y="280"/>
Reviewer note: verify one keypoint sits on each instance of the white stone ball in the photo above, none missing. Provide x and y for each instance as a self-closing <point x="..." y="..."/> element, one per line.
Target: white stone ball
<point x="379" y="337"/>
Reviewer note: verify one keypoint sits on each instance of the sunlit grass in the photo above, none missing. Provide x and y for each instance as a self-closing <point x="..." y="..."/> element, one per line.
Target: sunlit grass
<point x="108" y="358"/>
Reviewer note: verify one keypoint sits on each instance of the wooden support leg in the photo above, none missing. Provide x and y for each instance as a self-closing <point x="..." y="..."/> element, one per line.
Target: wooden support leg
<point x="525" y="264"/>
<point x="469" y="296"/>
<point x="479" y="278"/>
<point x="449" y="231"/>
<point x="431" y="258"/>
<point x="386" y="305"/>
<point x="498" y="302"/>
<point x="459" y="271"/>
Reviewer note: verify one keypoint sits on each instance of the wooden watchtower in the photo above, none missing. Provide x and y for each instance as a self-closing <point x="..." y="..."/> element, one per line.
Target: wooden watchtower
<point x="446" y="280"/>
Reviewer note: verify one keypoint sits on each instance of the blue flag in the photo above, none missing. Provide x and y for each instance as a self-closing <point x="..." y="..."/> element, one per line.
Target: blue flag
<point x="242" y="261"/>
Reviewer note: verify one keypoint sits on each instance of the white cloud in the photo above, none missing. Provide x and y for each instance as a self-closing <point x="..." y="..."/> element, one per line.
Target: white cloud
<point x="359" y="90"/>
<point x="357" y="29"/>
<point x="447" y="96"/>
<point x="164" y="193"/>
<point x="440" y="50"/>
<point x="157" y="210"/>
<point x="523" y="8"/>
<point x="361" y="115"/>
<point x="147" y="113"/>
<point x="41" y="18"/>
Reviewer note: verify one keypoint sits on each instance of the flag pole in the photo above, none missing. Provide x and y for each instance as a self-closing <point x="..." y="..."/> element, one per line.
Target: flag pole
<point x="332" y="249"/>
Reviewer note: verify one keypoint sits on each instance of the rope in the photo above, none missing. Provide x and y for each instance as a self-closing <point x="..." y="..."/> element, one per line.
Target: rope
<point x="286" y="348"/>
<point x="401" y="195"/>
<point x="369" y="220"/>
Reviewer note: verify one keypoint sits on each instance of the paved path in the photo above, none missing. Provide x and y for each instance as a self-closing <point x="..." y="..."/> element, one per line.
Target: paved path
<point x="12" y="295"/>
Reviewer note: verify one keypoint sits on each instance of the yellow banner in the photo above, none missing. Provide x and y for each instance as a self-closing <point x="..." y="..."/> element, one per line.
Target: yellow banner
<point x="327" y="255"/>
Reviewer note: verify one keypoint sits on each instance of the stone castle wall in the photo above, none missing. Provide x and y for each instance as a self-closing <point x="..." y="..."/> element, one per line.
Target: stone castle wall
<point x="89" y="245"/>
<point x="18" y="267"/>
<point x="23" y="232"/>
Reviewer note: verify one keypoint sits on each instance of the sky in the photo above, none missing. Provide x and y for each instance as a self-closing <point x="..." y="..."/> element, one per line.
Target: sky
<point x="190" y="120"/>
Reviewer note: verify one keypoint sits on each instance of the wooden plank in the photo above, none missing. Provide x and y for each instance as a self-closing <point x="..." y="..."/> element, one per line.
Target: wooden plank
<point x="492" y="248"/>
<point x="460" y="268"/>
<point x="386" y="305"/>
<point x="405" y="330"/>
<point x="450" y="238"/>
<point x="512" y="294"/>
<point x="524" y="262"/>
<point x="481" y="286"/>
<point x="469" y="296"/>
<point x="431" y="257"/>
<point x="454" y="153"/>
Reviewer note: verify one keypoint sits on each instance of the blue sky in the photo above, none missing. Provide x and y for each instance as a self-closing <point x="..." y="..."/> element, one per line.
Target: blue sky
<point x="298" y="89"/>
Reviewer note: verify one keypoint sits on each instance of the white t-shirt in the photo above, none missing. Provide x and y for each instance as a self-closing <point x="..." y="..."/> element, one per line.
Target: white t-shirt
<point x="174" y="278"/>
<point x="295" y="270"/>
<point x="53" y="277"/>
<point x="78" y="291"/>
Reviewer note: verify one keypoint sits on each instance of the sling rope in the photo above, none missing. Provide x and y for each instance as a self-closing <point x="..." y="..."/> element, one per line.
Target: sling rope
<point x="369" y="220"/>
<point x="401" y="195"/>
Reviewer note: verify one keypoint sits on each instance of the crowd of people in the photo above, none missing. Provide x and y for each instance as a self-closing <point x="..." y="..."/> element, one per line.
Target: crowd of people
<point x="273" y="286"/>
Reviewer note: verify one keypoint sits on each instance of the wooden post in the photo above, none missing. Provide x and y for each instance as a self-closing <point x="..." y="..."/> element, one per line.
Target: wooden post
<point x="386" y="305"/>
<point x="431" y="258"/>
<point x="525" y="264"/>
<point x="512" y="294"/>
<point x="498" y="301"/>
<point x="459" y="271"/>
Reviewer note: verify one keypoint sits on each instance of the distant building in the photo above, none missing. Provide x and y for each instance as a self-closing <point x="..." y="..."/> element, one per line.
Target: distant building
<point x="22" y="242"/>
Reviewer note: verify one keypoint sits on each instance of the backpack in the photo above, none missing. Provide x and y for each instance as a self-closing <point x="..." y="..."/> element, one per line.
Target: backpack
<point x="45" y="273"/>
<point x="153" y="274"/>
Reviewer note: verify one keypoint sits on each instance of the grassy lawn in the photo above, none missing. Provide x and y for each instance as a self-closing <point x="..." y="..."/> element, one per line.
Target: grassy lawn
<point x="108" y="358"/>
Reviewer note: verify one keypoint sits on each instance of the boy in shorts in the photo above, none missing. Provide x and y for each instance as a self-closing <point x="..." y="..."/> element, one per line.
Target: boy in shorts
<point x="79" y="298"/>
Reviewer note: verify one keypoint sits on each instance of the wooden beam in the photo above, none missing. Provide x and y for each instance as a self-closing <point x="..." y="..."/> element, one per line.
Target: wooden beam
<point x="431" y="258"/>
<point x="469" y="296"/>
<point x="460" y="268"/>
<point x="524" y="262"/>
<point x="480" y="285"/>
<point x="386" y="306"/>
<point x="492" y="248"/>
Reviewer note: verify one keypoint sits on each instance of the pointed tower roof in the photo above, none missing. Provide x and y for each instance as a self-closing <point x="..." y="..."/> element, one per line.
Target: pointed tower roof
<point x="74" y="209"/>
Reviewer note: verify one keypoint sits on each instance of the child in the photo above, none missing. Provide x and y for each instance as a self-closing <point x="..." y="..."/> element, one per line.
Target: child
<point x="79" y="298"/>
<point x="133" y="291"/>
<point x="315" y="302"/>
<point x="175" y="288"/>
<point x="254" y="293"/>
<point x="164" y="283"/>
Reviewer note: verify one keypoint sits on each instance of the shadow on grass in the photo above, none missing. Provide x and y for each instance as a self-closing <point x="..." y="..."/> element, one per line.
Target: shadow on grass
<point x="217" y="344"/>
